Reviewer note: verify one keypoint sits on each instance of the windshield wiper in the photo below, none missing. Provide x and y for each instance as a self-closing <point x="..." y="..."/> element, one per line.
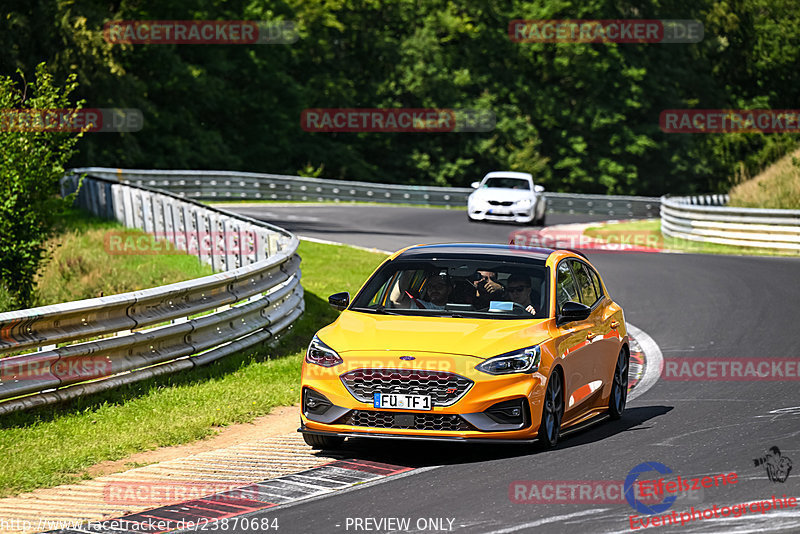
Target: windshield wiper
<point x="379" y="310"/>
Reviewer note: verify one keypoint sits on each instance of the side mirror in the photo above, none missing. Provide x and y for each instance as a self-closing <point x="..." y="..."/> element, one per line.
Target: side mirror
<point x="538" y="189"/>
<point x="573" y="311"/>
<point x="475" y="185"/>
<point x="339" y="301"/>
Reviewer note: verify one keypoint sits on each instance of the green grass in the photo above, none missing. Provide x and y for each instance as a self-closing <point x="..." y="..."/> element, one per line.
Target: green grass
<point x="778" y="187"/>
<point x="648" y="233"/>
<point x="82" y="266"/>
<point x="56" y="444"/>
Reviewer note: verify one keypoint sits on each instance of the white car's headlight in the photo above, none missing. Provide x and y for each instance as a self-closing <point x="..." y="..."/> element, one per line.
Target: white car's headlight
<point x="321" y="354"/>
<point x="519" y="361"/>
<point x="524" y="203"/>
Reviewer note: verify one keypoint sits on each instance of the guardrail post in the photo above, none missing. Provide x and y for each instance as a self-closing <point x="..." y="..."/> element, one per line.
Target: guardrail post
<point x="169" y="222"/>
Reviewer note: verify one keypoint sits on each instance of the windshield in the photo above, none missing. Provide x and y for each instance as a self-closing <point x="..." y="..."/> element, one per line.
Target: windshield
<point x="507" y="183"/>
<point x="457" y="288"/>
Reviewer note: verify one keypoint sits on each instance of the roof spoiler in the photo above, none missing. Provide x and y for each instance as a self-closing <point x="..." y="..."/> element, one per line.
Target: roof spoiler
<point x="578" y="252"/>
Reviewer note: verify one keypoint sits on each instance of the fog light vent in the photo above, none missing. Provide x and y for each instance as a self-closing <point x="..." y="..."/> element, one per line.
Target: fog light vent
<point x="510" y="412"/>
<point x="314" y="402"/>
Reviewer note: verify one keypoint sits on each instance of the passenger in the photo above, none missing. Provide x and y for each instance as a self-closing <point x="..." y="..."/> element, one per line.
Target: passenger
<point x="487" y="289"/>
<point x="518" y="289"/>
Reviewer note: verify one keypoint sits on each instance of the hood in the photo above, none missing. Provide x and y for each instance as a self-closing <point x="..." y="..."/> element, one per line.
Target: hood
<point x="480" y="338"/>
<point x="503" y="195"/>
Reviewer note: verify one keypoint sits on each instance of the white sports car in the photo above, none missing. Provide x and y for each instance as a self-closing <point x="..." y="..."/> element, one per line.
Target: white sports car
<point x="507" y="196"/>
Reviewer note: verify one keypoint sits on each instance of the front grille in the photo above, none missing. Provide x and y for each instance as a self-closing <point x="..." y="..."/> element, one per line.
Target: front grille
<point x="444" y="388"/>
<point x="421" y="421"/>
<point x="500" y="203"/>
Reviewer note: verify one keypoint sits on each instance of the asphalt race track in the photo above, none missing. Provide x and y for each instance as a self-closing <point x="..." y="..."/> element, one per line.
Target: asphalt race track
<point x="388" y="227"/>
<point x="694" y="306"/>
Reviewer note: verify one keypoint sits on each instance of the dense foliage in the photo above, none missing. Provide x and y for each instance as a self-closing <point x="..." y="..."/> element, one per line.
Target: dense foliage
<point x="33" y="164"/>
<point x="582" y="117"/>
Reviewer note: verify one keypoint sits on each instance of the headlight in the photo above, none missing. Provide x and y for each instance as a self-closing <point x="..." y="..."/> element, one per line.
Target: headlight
<point x="524" y="203"/>
<point x="321" y="354"/>
<point x="519" y="361"/>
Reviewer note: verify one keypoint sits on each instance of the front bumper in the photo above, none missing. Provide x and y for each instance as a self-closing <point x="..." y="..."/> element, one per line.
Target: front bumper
<point x="517" y="216"/>
<point x="473" y="416"/>
<point x="449" y="439"/>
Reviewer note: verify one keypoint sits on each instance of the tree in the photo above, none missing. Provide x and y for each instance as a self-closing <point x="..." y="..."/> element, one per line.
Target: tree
<point x="34" y="160"/>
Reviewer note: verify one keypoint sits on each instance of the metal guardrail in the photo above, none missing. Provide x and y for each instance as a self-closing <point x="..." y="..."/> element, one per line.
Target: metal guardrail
<point x="705" y="218"/>
<point x="224" y="185"/>
<point x="100" y="343"/>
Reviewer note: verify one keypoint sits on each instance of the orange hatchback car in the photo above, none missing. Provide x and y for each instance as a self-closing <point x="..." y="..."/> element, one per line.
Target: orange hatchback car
<point x="468" y="342"/>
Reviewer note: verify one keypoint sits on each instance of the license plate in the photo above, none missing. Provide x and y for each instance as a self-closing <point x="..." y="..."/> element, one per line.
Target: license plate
<point x="401" y="401"/>
<point x="498" y="212"/>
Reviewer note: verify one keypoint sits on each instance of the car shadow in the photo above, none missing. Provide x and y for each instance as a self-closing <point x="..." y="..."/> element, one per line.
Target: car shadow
<point x="416" y="454"/>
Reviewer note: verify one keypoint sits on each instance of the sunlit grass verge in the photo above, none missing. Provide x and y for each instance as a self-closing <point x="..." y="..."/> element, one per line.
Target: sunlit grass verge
<point x="648" y="234"/>
<point x="58" y="444"/>
<point x="777" y="187"/>
<point x="83" y="266"/>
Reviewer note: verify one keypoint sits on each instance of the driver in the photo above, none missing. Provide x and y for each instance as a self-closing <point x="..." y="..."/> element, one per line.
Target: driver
<point x="518" y="289"/>
<point x="437" y="290"/>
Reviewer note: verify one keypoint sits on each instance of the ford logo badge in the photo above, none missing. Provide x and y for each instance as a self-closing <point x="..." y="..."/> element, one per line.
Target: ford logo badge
<point x="407" y="358"/>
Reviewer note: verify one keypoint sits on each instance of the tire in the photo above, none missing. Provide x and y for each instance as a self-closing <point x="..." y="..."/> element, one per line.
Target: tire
<point x="552" y="412"/>
<point x="323" y="442"/>
<point x="619" y="386"/>
<point x="542" y="221"/>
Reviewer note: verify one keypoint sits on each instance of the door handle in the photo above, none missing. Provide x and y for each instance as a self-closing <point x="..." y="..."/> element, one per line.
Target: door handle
<point x="590" y="336"/>
<point x="614" y="324"/>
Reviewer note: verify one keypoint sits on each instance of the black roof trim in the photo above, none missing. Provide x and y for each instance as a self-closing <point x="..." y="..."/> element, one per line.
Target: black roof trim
<point x="477" y="248"/>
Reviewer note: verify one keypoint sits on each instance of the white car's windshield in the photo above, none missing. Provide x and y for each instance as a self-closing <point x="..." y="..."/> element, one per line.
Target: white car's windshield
<point x="507" y="183"/>
<point x="461" y="288"/>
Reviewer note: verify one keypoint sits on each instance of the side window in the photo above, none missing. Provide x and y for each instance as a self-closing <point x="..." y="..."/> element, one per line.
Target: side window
<point x="402" y="281"/>
<point x="585" y="284"/>
<point x="565" y="285"/>
<point x="380" y="296"/>
<point x="597" y="285"/>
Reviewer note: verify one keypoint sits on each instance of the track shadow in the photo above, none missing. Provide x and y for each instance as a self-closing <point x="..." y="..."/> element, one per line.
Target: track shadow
<point x="329" y="227"/>
<point x="417" y="454"/>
